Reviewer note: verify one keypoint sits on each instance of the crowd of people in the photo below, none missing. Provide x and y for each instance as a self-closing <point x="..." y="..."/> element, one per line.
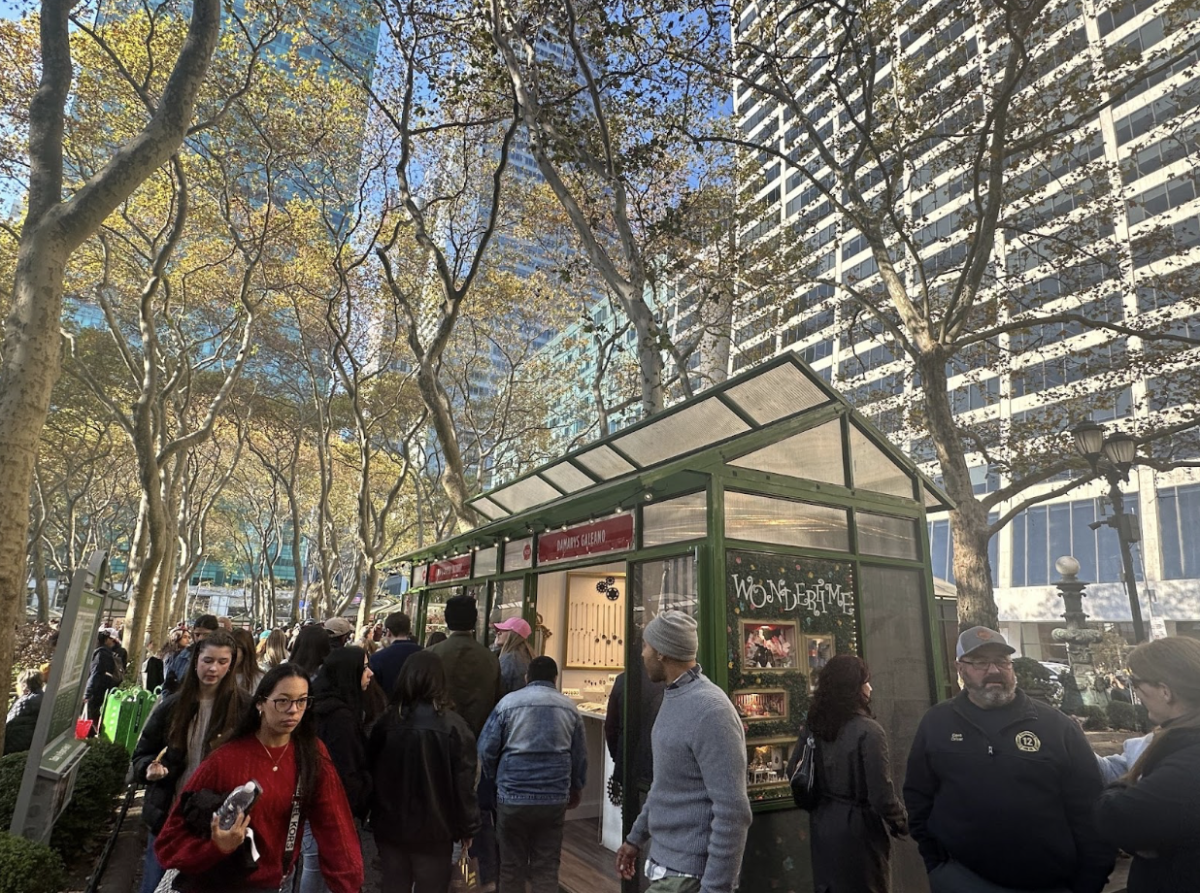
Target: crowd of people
<point x="1002" y="793"/>
<point x="453" y="747"/>
<point x="428" y="744"/>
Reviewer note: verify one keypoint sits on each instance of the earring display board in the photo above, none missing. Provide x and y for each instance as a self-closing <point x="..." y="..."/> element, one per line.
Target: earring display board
<point x="595" y="621"/>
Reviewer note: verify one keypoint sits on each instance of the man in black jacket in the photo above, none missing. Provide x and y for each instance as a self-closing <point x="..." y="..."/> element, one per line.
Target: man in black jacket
<point x="398" y="646"/>
<point x="102" y="676"/>
<point x="1000" y="788"/>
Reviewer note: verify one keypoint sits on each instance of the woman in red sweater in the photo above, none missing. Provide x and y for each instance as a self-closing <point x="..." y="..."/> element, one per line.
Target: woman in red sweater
<point x="276" y="745"/>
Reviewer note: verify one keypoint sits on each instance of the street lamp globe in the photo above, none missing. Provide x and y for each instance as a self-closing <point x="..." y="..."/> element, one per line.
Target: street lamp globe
<point x="1089" y="440"/>
<point x="1120" y="450"/>
<point x="1068" y="566"/>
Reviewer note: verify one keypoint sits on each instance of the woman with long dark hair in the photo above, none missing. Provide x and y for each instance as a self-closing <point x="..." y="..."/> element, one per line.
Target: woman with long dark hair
<point x="276" y="745"/>
<point x="181" y="731"/>
<point x="338" y="708"/>
<point x="1151" y="812"/>
<point x="858" y="808"/>
<point x="311" y="648"/>
<point x="422" y="756"/>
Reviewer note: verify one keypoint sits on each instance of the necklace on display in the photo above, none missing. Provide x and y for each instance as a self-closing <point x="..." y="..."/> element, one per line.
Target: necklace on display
<point x="275" y="761"/>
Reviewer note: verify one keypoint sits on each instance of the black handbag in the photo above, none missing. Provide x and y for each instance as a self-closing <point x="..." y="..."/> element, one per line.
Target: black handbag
<point x="804" y="780"/>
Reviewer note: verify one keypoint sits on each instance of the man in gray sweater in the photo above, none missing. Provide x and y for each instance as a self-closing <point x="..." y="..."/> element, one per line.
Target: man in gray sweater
<point x="697" y="813"/>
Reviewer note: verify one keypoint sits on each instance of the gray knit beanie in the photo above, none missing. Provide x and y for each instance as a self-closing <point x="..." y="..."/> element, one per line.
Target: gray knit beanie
<point x="673" y="634"/>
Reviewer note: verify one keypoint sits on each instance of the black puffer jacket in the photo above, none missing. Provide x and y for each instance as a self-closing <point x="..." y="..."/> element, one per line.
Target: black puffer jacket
<point x="342" y="733"/>
<point x="424" y="770"/>
<point x="22" y="721"/>
<point x="1158" y="819"/>
<point x="160" y="795"/>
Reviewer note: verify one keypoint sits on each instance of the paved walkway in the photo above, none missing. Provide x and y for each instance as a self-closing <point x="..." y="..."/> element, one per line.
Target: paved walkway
<point x="124" y="871"/>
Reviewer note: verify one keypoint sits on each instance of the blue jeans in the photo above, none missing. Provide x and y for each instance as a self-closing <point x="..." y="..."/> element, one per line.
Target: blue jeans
<point x="152" y="872"/>
<point x="311" y="880"/>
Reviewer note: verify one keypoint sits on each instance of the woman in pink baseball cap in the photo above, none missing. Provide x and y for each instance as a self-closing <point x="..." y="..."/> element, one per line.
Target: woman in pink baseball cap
<point x="515" y="654"/>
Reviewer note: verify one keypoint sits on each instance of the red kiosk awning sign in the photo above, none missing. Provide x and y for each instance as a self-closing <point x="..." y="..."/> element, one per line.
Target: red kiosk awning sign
<point x="450" y="569"/>
<point x="613" y="534"/>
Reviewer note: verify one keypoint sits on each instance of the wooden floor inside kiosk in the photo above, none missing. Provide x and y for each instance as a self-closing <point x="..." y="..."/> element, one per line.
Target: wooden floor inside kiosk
<point x="586" y="866"/>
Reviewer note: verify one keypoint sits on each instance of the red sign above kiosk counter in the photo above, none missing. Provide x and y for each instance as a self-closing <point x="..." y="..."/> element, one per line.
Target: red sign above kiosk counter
<point x="610" y="535"/>
<point x="451" y="569"/>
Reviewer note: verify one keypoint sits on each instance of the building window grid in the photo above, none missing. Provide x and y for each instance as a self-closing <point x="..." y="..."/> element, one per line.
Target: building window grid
<point x="1053" y="532"/>
<point x="1179" y="518"/>
<point x="1042" y="534"/>
<point x="941" y="549"/>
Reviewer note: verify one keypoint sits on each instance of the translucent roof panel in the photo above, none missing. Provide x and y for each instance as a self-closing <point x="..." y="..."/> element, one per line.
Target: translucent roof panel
<point x="786" y="522"/>
<point x="488" y="509"/>
<point x="873" y="469"/>
<point x="778" y="392"/>
<point x="887" y="536"/>
<point x="763" y="405"/>
<point x="485" y="562"/>
<point x="675" y="520"/>
<point x="812" y="455"/>
<point x="604" y="463"/>
<point x="567" y="477"/>
<point x="689" y="429"/>
<point x="525" y="494"/>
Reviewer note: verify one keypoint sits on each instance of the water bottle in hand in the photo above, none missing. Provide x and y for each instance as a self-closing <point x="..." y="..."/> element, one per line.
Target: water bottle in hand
<point x="240" y="798"/>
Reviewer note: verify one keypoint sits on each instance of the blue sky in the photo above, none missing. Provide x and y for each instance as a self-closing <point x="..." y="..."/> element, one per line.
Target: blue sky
<point x="12" y="9"/>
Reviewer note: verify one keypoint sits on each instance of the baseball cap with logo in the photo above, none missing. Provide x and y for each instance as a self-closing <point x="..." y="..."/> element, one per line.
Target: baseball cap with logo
<point x="977" y="637"/>
<point x="516" y="625"/>
<point x="338" y="626"/>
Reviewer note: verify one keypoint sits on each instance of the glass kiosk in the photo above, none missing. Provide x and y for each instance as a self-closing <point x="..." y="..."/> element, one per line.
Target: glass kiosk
<point x="777" y="516"/>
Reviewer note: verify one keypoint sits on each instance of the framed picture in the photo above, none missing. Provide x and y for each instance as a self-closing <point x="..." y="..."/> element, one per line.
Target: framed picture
<point x="766" y="761"/>
<point x="818" y="649"/>
<point x="756" y="705"/>
<point x="769" y="644"/>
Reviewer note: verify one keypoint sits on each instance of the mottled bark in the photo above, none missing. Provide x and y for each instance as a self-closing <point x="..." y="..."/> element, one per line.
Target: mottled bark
<point x="52" y="230"/>
<point x="969" y="522"/>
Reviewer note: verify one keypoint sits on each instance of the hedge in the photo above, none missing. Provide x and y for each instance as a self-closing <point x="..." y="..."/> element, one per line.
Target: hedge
<point x="1095" y="718"/>
<point x="1122" y="716"/>
<point x="12" y="767"/>
<point x="28" y="867"/>
<point x="101" y="777"/>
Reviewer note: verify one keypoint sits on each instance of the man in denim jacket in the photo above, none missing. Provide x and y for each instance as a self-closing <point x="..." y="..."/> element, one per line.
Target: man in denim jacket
<point x="534" y="747"/>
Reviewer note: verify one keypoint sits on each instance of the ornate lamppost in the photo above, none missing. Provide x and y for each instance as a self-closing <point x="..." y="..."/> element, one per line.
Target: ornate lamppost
<point x="1111" y="457"/>
<point x="1078" y="636"/>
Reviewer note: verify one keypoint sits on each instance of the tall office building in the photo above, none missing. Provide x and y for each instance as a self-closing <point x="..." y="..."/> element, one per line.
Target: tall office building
<point x="1142" y="146"/>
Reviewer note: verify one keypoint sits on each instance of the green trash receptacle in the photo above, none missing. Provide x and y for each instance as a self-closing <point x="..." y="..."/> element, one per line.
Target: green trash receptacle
<point x="120" y="710"/>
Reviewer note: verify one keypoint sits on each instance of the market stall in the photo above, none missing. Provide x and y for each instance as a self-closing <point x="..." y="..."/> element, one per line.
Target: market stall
<point x="776" y="515"/>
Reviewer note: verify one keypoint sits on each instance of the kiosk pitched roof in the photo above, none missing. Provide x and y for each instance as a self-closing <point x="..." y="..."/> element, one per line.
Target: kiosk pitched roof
<point x="741" y="408"/>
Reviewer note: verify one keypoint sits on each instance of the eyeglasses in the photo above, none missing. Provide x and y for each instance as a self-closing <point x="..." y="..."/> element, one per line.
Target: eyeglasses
<point x="1002" y="663"/>
<point x="282" y="704"/>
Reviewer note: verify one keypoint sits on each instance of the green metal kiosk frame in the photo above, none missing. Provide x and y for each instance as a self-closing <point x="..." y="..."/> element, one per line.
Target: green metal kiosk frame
<point x="782" y="519"/>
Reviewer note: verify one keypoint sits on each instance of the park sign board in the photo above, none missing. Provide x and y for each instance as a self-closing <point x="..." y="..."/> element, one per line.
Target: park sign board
<point x="55" y="752"/>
